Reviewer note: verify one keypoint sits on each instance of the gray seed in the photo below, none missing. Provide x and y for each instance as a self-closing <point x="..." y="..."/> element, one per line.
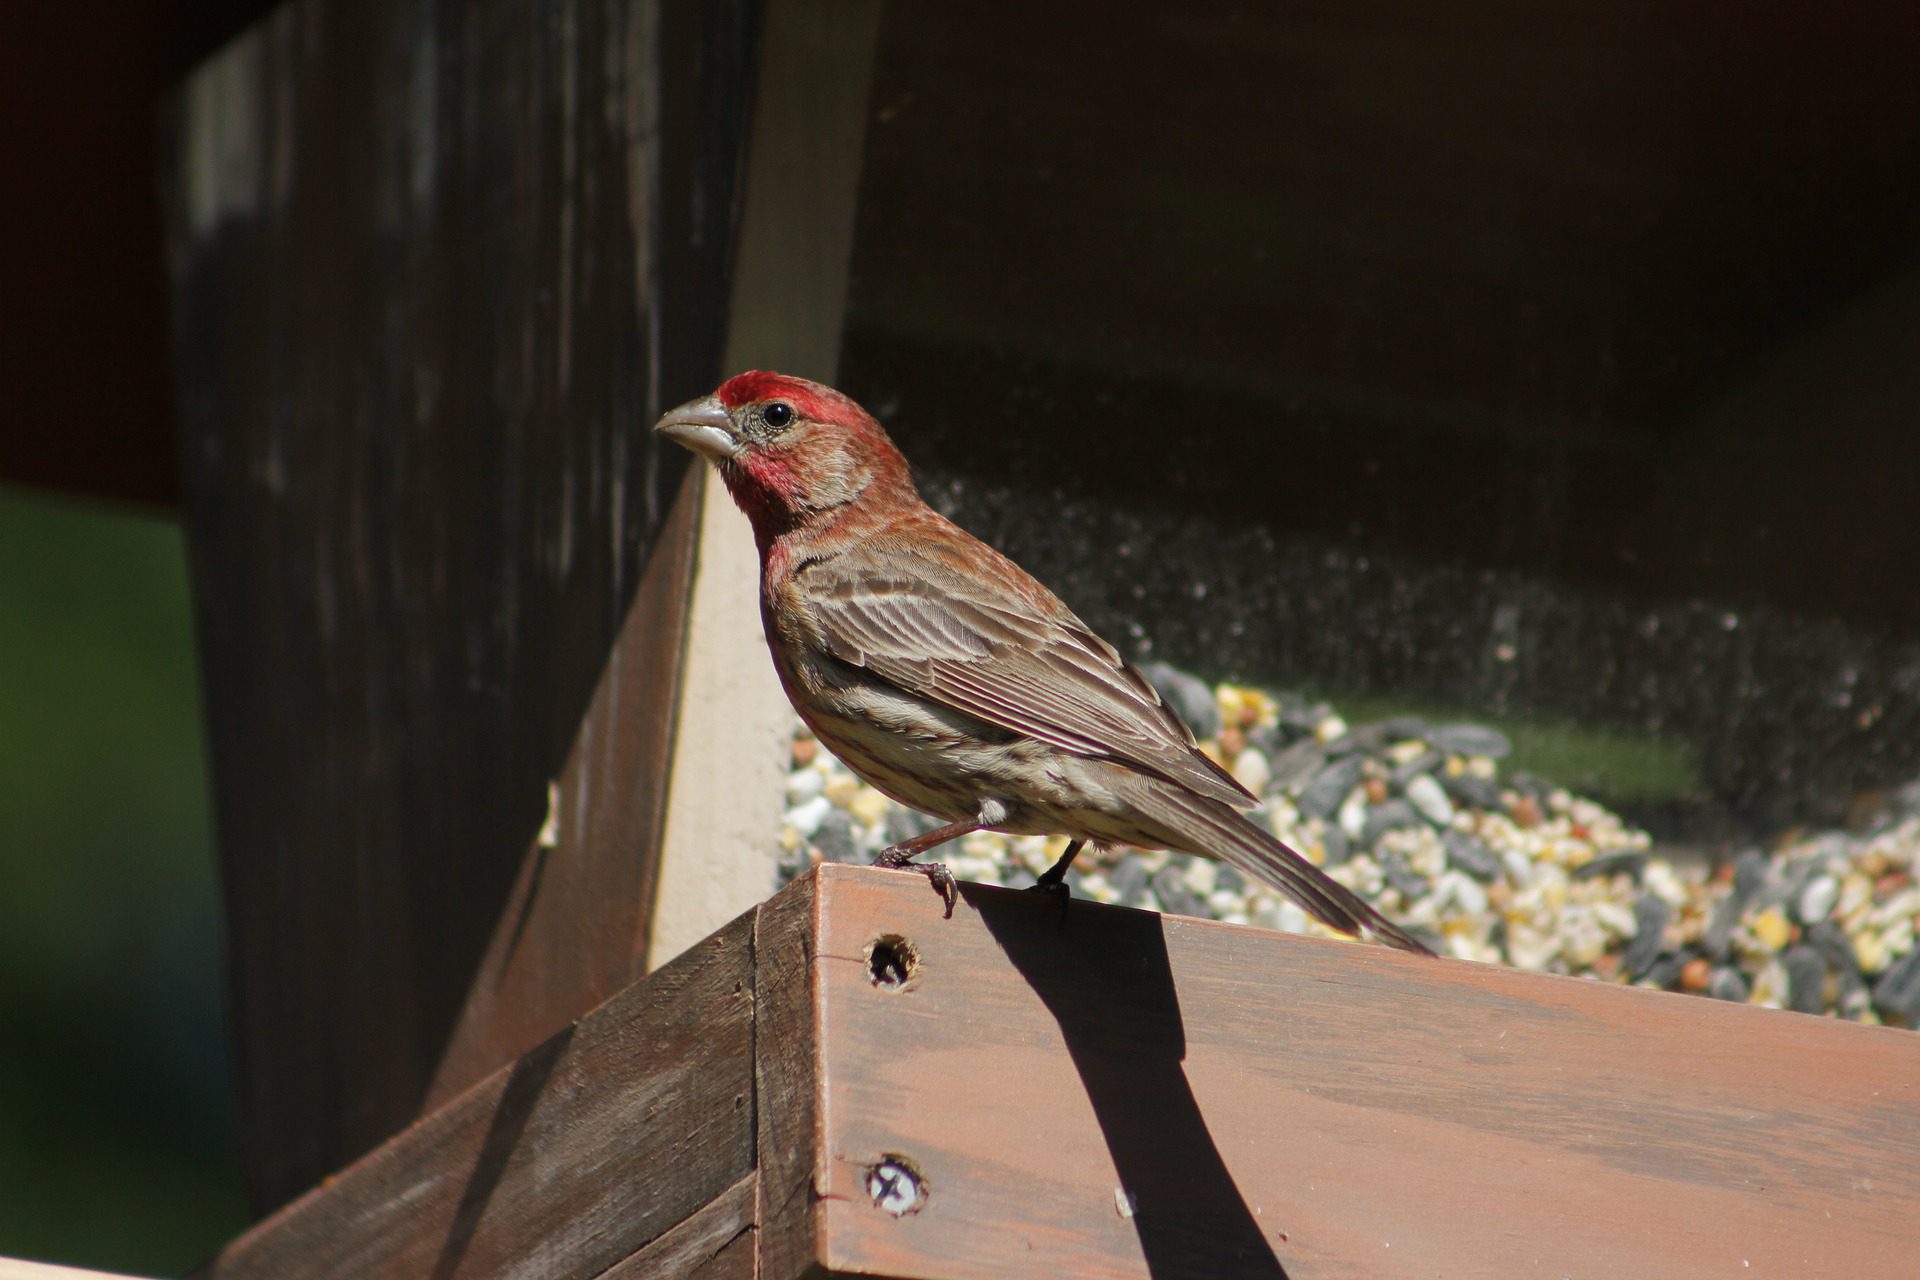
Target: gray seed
<point x="1471" y="740"/>
<point x="1749" y="875"/>
<point x="1170" y="886"/>
<point x="1189" y="696"/>
<point x="1335" y="847"/>
<point x="1832" y="942"/>
<point x="1897" y="992"/>
<point x="1626" y="862"/>
<point x="1473" y="791"/>
<point x="1128" y="880"/>
<point x="1295" y="766"/>
<point x="1425" y="762"/>
<point x="1400" y="728"/>
<point x="1410" y="886"/>
<point x="1728" y="984"/>
<point x="1323" y="795"/>
<point x="1650" y="916"/>
<point x="1470" y="854"/>
<point x="1665" y="971"/>
<point x="1382" y="818"/>
<point x="1365" y="740"/>
<point x="1854" y="997"/>
<point x="1806" y="979"/>
<point x="834" y="838"/>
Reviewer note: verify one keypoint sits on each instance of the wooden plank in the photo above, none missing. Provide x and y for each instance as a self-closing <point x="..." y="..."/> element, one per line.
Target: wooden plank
<point x="1120" y="1095"/>
<point x="582" y="1152"/>
<point x="1125" y="1095"/>
<point x="434" y="269"/>
<point x="717" y="1243"/>
<point x="557" y="940"/>
<point x="787" y="1080"/>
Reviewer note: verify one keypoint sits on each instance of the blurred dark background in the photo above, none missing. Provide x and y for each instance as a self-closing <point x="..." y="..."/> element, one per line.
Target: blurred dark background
<point x="116" y="1141"/>
<point x="1548" y="366"/>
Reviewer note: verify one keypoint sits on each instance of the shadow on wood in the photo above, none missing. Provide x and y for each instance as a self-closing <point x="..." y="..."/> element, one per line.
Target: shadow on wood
<point x="1122" y="1028"/>
<point x="589" y="1150"/>
<point x="526" y="1080"/>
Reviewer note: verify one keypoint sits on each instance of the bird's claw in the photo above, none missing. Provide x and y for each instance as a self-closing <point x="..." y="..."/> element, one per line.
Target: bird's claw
<point x="898" y="859"/>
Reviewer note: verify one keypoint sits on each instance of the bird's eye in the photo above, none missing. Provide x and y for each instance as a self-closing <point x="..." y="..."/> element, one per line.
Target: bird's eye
<point x="777" y="414"/>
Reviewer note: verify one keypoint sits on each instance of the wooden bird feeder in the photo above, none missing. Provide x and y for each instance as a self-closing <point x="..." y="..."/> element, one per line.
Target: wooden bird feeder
<point x="435" y="268"/>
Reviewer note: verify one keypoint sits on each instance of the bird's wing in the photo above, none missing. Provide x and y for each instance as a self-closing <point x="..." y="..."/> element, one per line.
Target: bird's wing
<point x="978" y="639"/>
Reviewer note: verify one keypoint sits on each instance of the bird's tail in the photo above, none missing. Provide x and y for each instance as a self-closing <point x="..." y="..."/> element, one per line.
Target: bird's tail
<point x="1195" y="824"/>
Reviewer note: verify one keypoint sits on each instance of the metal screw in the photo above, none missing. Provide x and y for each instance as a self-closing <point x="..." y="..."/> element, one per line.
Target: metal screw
<point x="896" y="1186"/>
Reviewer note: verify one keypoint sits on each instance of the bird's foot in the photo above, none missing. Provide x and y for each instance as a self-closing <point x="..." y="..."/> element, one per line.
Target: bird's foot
<point x="1056" y="887"/>
<point x="898" y="858"/>
<point x="1054" y="879"/>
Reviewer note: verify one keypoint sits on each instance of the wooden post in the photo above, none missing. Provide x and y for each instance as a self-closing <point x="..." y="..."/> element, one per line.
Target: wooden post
<point x="842" y="1083"/>
<point x="435" y="269"/>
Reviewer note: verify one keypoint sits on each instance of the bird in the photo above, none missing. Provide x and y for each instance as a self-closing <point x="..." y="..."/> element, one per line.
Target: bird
<point x="947" y="677"/>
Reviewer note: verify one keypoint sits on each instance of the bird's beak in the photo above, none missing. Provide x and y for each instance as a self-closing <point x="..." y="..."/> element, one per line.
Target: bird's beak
<point x="703" y="426"/>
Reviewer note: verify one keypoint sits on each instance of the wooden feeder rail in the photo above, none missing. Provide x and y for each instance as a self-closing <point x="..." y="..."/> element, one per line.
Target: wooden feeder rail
<point x="842" y="1083"/>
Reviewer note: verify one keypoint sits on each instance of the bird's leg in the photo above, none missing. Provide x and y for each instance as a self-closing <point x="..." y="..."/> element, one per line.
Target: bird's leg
<point x="900" y="857"/>
<point x="1054" y="879"/>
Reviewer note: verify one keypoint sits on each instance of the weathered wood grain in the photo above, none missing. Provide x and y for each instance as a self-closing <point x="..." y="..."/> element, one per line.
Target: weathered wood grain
<point x="435" y="268"/>
<point x="557" y="940"/>
<point x="601" y="1141"/>
<point x="1269" y="1105"/>
<point x="788" y="1087"/>
<point x="716" y="1243"/>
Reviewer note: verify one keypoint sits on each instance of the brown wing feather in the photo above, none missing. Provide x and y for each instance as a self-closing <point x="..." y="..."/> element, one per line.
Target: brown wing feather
<point x="952" y="638"/>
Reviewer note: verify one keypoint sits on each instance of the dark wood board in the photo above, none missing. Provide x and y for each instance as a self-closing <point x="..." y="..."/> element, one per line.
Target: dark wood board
<point x="436" y="268"/>
<point x="787" y="1085"/>
<point x="632" y="1123"/>
<point x="716" y="1243"/>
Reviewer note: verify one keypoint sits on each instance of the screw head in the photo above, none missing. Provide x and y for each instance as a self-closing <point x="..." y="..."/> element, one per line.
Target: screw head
<point x="896" y="1186"/>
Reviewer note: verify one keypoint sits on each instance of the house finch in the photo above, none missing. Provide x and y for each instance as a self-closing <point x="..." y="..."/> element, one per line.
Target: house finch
<point x="945" y="676"/>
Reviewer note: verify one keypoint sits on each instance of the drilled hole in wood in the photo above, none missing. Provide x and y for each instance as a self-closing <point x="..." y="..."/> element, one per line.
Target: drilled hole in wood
<point x="892" y="962"/>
